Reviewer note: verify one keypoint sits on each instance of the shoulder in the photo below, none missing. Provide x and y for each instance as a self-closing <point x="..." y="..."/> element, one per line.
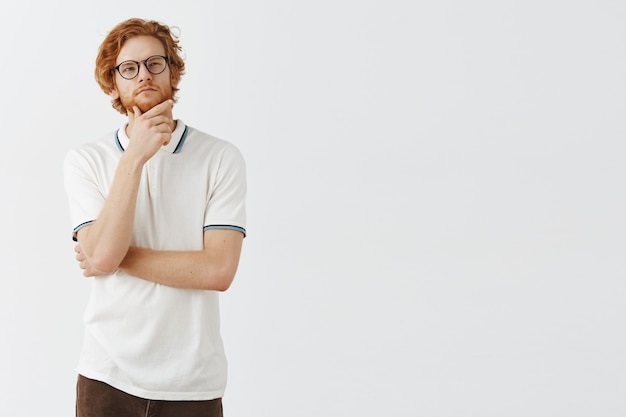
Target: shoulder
<point x="199" y="141"/>
<point x="102" y="148"/>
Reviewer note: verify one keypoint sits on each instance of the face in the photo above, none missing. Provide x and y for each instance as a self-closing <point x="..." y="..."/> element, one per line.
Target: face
<point x="145" y="90"/>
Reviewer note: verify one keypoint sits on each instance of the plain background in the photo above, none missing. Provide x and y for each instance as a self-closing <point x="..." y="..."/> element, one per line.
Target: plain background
<point x="436" y="200"/>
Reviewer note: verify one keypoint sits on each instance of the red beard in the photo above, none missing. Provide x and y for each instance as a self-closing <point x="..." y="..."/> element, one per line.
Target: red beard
<point x="146" y="100"/>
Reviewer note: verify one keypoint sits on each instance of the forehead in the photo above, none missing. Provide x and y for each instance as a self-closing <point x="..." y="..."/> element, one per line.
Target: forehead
<point x="140" y="48"/>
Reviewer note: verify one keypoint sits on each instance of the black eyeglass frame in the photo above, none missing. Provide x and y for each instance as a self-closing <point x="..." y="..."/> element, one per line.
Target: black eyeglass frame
<point x="138" y="64"/>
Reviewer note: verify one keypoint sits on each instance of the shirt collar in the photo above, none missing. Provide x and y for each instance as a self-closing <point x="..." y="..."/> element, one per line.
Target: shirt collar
<point x="174" y="146"/>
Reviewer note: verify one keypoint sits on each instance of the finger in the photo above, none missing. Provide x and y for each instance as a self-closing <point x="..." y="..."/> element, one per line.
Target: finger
<point x="161" y="122"/>
<point x="159" y="108"/>
<point x="133" y="113"/>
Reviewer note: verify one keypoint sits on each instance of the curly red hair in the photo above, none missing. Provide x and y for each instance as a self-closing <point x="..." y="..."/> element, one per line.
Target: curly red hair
<point x="112" y="44"/>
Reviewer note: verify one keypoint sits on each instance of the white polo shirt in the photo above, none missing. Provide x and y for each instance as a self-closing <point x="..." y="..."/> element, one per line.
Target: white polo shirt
<point x="151" y="340"/>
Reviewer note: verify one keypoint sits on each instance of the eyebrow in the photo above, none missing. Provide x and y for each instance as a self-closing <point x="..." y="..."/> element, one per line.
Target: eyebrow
<point x="141" y="60"/>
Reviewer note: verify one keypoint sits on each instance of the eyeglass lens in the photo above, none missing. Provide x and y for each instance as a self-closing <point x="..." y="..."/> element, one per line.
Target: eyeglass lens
<point x="129" y="69"/>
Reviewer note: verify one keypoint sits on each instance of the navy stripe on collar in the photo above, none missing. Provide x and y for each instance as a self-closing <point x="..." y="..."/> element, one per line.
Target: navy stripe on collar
<point x="117" y="141"/>
<point x="182" y="140"/>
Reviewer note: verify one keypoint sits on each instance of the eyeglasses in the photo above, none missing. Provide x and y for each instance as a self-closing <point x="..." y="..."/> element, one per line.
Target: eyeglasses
<point x="130" y="69"/>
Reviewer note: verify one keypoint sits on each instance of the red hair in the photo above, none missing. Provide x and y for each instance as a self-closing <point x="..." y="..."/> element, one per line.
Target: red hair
<point x="114" y="41"/>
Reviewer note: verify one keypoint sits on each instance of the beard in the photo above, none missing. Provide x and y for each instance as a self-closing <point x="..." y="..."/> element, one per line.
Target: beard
<point x="146" y="101"/>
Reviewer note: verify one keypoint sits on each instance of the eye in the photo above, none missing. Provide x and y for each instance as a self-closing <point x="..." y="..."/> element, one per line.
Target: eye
<point x="128" y="68"/>
<point x="156" y="64"/>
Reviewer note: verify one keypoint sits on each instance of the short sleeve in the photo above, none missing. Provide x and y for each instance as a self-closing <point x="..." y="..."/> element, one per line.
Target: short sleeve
<point x="84" y="196"/>
<point x="226" y="207"/>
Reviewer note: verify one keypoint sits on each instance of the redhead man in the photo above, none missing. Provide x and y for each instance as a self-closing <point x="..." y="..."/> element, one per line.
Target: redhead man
<point x="158" y="214"/>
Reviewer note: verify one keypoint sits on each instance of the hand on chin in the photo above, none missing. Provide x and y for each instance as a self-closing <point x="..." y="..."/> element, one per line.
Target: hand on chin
<point x="144" y="104"/>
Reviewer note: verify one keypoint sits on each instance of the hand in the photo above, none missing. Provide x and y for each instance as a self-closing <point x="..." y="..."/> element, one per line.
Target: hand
<point x="150" y="130"/>
<point x="83" y="263"/>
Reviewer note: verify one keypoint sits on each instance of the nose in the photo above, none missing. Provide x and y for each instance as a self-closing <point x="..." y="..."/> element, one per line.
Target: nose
<point x="144" y="74"/>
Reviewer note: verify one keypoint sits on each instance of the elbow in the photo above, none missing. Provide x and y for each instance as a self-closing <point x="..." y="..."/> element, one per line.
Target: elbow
<point x="222" y="287"/>
<point x="104" y="265"/>
<point x="103" y="258"/>
<point x="221" y="281"/>
<point x="222" y="284"/>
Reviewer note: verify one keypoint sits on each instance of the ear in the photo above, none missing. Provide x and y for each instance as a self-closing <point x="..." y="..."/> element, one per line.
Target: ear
<point x="114" y="94"/>
<point x="174" y="80"/>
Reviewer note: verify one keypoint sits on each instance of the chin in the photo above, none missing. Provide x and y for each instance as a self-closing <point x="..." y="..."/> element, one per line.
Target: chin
<point x="144" y="106"/>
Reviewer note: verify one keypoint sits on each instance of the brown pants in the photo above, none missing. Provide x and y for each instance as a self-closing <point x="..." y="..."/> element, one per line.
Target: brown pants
<point x="97" y="399"/>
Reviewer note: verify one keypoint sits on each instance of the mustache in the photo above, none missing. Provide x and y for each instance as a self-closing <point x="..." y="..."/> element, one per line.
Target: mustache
<point x="145" y="87"/>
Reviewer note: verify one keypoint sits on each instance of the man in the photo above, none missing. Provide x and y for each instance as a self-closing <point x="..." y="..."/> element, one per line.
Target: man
<point x="158" y="210"/>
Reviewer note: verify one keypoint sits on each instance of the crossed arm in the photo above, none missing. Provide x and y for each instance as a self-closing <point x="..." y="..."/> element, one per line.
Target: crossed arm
<point x="104" y="246"/>
<point x="212" y="268"/>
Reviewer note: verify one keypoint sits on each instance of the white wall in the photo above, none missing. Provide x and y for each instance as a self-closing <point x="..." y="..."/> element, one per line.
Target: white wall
<point x="436" y="205"/>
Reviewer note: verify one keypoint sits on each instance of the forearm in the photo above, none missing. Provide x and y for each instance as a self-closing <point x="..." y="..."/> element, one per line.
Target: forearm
<point x="106" y="241"/>
<point x="181" y="269"/>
